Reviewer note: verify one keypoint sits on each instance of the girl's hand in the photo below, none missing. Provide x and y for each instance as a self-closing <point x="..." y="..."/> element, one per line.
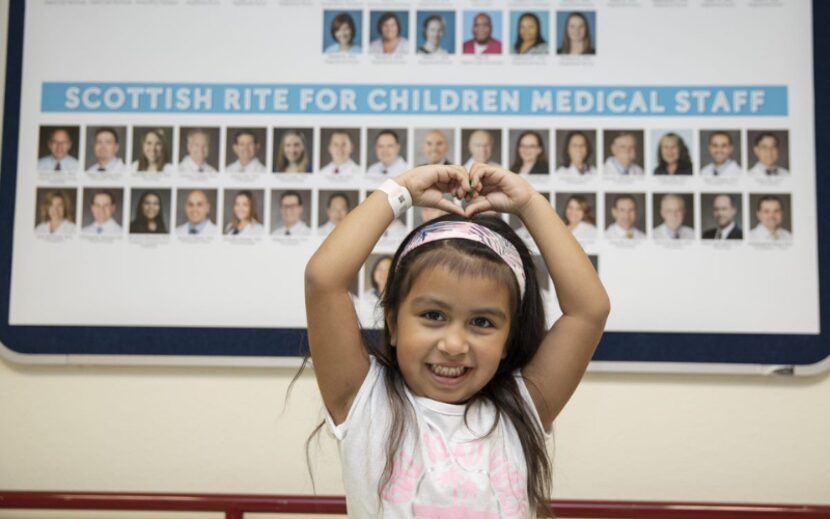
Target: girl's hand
<point x="427" y="185"/>
<point x="496" y="189"/>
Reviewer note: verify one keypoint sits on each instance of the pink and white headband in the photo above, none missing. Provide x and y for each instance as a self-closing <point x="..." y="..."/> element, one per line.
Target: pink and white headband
<point x="474" y="232"/>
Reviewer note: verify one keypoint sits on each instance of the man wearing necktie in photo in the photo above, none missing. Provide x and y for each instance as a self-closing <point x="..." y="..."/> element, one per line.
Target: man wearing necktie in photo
<point x="60" y="147"/>
<point x="197" y="208"/>
<point x="103" y="208"/>
<point x="388" y="152"/>
<point x="624" y="152"/>
<point x="766" y="146"/>
<point x="624" y="211"/>
<point x="291" y="213"/>
<point x="770" y="214"/>
<point x="721" y="150"/>
<point x="246" y="147"/>
<point x="106" y="149"/>
<point x="673" y="214"/>
<point x="340" y="149"/>
<point x="198" y="151"/>
<point x="725" y="213"/>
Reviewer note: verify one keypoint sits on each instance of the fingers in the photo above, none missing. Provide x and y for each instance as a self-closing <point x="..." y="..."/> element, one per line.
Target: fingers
<point x="453" y="173"/>
<point x="449" y="206"/>
<point x="479" y="205"/>
<point x="482" y="174"/>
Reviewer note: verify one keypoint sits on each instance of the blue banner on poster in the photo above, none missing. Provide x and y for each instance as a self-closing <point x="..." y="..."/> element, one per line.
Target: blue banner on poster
<point x="630" y="101"/>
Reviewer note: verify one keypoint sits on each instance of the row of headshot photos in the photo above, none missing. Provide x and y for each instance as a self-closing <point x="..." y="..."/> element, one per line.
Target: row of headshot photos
<point x="672" y="216"/>
<point x="196" y="212"/>
<point x="245" y="212"/>
<point x="442" y="33"/>
<point x="575" y="152"/>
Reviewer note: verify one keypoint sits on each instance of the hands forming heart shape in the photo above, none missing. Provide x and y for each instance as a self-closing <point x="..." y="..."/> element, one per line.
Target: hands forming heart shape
<point x="483" y="188"/>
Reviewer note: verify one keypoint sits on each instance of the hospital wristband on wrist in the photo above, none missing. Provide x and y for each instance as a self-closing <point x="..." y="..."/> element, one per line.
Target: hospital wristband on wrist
<point x="398" y="196"/>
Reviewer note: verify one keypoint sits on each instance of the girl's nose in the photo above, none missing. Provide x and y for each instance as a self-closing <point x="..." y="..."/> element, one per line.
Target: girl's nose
<point x="454" y="343"/>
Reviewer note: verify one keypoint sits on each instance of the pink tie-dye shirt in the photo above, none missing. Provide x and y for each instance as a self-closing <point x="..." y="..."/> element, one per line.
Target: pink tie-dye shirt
<point x="444" y="468"/>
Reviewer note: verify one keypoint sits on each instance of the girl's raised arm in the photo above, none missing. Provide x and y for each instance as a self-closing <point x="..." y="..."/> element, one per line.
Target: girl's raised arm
<point x="566" y="350"/>
<point x="340" y="360"/>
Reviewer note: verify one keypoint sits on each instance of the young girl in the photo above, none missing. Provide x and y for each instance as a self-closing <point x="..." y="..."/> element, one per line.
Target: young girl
<point x="448" y="416"/>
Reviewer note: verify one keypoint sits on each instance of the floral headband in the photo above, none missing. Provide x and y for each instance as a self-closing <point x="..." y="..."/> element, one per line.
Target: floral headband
<point x="474" y="232"/>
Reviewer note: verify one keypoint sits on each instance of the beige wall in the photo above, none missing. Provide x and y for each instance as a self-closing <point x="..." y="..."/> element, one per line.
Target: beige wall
<point x="655" y="437"/>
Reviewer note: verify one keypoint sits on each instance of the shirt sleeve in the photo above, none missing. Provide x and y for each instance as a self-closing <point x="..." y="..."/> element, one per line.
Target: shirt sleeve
<point x="361" y="400"/>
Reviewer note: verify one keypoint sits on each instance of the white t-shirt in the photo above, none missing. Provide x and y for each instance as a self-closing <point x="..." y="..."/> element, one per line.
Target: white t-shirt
<point x="452" y="470"/>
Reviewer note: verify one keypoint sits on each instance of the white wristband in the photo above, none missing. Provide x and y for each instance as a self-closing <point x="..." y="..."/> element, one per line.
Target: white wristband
<point x="398" y="196"/>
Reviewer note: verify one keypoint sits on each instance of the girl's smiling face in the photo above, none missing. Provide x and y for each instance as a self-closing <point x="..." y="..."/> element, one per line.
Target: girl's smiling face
<point x="450" y="332"/>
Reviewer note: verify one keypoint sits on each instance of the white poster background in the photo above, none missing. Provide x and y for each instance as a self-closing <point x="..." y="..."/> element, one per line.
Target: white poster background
<point x="690" y="287"/>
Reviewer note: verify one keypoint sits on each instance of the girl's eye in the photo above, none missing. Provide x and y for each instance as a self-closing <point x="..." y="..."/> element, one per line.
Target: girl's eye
<point x="433" y="316"/>
<point x="481" y="322"/>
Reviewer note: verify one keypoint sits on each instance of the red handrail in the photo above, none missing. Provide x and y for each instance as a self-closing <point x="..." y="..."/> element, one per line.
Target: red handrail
<point x="234" y="506"/>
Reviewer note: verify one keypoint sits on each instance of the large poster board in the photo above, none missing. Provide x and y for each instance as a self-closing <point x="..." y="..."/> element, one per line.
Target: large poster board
<point x="165" y="193"/>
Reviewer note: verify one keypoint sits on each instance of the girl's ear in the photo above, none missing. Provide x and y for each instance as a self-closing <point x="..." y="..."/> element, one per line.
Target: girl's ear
<point x="393" y="330"/>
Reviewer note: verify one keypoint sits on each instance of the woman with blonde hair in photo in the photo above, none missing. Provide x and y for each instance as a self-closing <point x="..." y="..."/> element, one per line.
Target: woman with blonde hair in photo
<point x="55" y="215"/>
<point x="293" y="155"/>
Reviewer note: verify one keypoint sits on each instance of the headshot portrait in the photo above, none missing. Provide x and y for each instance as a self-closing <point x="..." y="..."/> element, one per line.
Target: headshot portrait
<point x="436" y="32"/>
<point x="770" y="152"/>
<point x="770" y="218"/>
<point x="198" y="150"/>
<point x="481" y="145"/>
<point x="720" y="151"/>
<point x="434" y="146"/>
<point x="104" y="150"/>
<point x="577" y="32"/>
<point x="482" y="32"/>
<point x="152" y="149"/>
<point x="293" y="150"/>
<point x="530" y="152"/>
<point x="245" y="150"/>
<point x="577" y="212"/>
<point x="55" y="212"/>
<point x="342" y="32"/>
<point x="376" y="272"/>
<point x="57" y="149"/>
<point x="576" y="155"/>
<point x="721" y="216"/>
<point x="150" y="210"/>
<point x="671" y="151"/>
<point x="243" y="212"/>
<point x="289" y="216"/>
<point x="340" y="147"/>
<point x="674" y="216"/>
<point x="625" y="216"/>
<point x="102" y="213"/>
<point x="389" y="32"/>
<point x="623" y="152"/>
<point x="195" y="212"/>
<point x="530" y="32"/>
<point x="386" y="151"/>
<point x="333" y="206"/>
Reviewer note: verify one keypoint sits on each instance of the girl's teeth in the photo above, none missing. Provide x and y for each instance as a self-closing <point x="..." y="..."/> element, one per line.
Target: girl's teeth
<point x="446" y="371"/>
